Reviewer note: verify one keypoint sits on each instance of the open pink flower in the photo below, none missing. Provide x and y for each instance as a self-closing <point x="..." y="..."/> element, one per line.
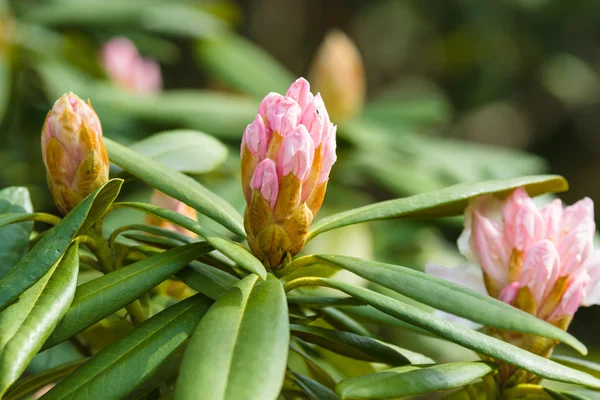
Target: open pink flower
<point x="128" y="69"/>
<point x="543" y="257"/>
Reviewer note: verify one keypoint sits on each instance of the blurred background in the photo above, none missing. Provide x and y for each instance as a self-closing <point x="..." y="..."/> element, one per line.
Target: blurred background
<point x="440" y="93"/>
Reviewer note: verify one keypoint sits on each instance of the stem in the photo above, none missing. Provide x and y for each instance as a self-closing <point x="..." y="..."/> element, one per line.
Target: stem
<point x="97" y="245"/>
<point x="527" y="390"/>
<point x="43" y="217"/>
<point x="306" y="281"/>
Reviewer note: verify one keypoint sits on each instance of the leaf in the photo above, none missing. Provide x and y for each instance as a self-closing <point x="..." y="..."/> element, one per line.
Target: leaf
<point x="370" y="315"/>
<point x="412" y="380"/>
<point x="313" y="389"/>
<point x="5" y="84"/>
<point x="14" y="240"/>
<point x="230" y="249"/>
<point x="140" y="353"/>
<point x="183" y="150"/>
<point x="169" y="18"/>
<point x="51" y="247"/>
<point x="151" y="240"/>
<point x="307" y="300"/>
<point x="154" y="230"/>
<point x="243" y="65"/>
<point x="587" y="366"/>
<point x="176" y="185"/>
<point x="25" y="325"/>
<point x="470" y="339"/>
<point x="210" y="281"/>
<point x="452" y="298"/>
<point x="239" y="350"/>
<point x="103" y="296"/>
<point x="446" y="202"/>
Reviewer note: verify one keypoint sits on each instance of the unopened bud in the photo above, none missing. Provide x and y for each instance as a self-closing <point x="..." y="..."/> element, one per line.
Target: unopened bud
<point x="337" y="71"/>
<point x="162" y="200"/>
<point x="287" y="155"/>
<point x="75" y="158"/>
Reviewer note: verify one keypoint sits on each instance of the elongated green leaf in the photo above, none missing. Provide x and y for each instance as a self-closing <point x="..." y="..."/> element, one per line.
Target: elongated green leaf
<point x="588" y="366"/>
<point x="243" y="65"/>
<point x="452" y="298"/>
<point x="350" y="345"/>
<point x="232" y="250"/>
<point x="183" y="150"/>
<point x="210" y="281"/>
<point x="103" y="296"/>
<point x="140" y="353"/>
<point x="313" y="389"/>
<point x="239" y="350"/>
<point x="176" y="185"/>
<point x="168" y="233"/>
<point x="342" y="321"/>
<point x="470" y="339"/>
<point x="31" y="384"/>
<point x="5" y="77"/>
<point x="370" y="315"/>
<point x="14" y="240"/>
<point x="314" y="368"/>
<point x="25" y="325"/>
<point x="49" y="250"/>
<point x="410" y="380"/>
<point x="166" y="17"/>
<point x="151" y="240"/>
<point x="440" y="203"/>
<point x="323" y="301"/>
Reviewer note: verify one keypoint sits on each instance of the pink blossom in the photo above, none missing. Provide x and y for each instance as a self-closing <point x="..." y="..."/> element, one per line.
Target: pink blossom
<point x="296" y="154"/>
<point x="255" y="138"/>
<point x="265" y="181"/>
<point x="517" y="246"/>
<point x="128" y="69"/>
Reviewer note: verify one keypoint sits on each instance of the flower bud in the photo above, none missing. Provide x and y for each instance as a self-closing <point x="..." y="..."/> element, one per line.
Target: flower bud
<point x="287" y="155"/>
<point x="162" y="200"/>
<point x="128" y="69"/>
<point x="75" y="158"/>
<point x="337" y="71"/>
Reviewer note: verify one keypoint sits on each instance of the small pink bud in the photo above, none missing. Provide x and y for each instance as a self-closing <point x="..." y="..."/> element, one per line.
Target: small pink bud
<point x="329" y="154"/>
<point x="552" y="216"/>
<point x="296" y="154"/>
<point x="573" y="296"/>
<point x="284" y="116"/>
<point x="509" y="292"/>
<point x="316" y="119"/>
<point x="266" y="182"/>
<point x="300" y="92"/>
<point x="540" y="271"/>
<point x="268" y="103"/>
<point x="255" y="138"/>
<point x="490" y="249"/>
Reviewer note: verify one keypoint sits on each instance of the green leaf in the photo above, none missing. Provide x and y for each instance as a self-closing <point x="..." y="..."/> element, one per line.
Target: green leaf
<point x="244" y="65"/>
<point x="176" y="185"/>
<point x="452" y="298"/>
<point x="154" y="230"/>
<point x="313" y="389"/>
<point x="239" y="350"/>
<point x="139" y="354"/>
<point x="183" y="150"/>
<point x="5" y="84"/>
<point x="587" y="366"/>
<point x="446" y="202"/>
<point x="14" y="240"/>
<point x="230" y="249"/>
<point x="468" y="338"/>
<point x="49" y="250"/>
<point x="103" y="296"/>
<point x="210" y="281"/>
<point x="25" y="325"/>
<point x="151" y="240"/>
<point x="411" y="380"/>
<point x="164" y="17"/>
<point x="350" y="345"/>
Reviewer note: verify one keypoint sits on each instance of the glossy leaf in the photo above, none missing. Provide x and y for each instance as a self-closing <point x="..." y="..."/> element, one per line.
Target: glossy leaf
<point x="239" y="350"/>
<point x="313" y="389"/>
<point x="14" y="240"/>
<point x="452" y="298"/>
<point x="244" y="66"/>
<point x="183" y="150"/>
<point x="51" y="247"/>
<point x="230" y="249"/>
<point x="210" y="281"/>
<point x="446" y="202"/>
<point x="136" y="356"/>
<point x="176" y="185"/>
<point x="349" y="344"/>
<point x="25" y="325"/>
<point x="411" y="380"/>
<point x="468" y="338"/>
<point x="103" y="296"/>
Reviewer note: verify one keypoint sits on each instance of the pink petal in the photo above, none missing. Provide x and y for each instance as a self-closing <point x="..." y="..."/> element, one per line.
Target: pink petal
<point x="490" y="249"/>
<point x="284" y="116"/>
<point x="255" y="138"/>
<point x="265" y="180"/>
<point x="300" y="92"/>
<point x="268" y="103"/>
<point x="316" y="119"/>
<point x="296" y="154"/>
<point x="573" y="296"/>
<point x="509" y="292"/>
<point x="541" y="267"/>
<point x="575" y="247"/>
<point x="592" y="266"/>
<point x="510" y="209"/>
<point x="527" y="228"/>
<point x="329" y="154"/>
<point x="576" y="214"/>
<point x="552" y="216"/>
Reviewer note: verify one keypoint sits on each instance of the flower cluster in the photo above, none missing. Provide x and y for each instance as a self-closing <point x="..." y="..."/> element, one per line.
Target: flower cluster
<point x="75" y="158"/>
<point x="287" y="153"/>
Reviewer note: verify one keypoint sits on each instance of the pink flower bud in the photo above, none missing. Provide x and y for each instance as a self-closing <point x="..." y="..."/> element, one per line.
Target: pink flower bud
<point x="255" y="138"/>
<point x="316" y="120"/>
<point x="490" y="249"/>
<point x="284" y="116"/>
<point x="268" y="103"/>
<point x="296" y="154"/>
<point x="128" y="69"/>
<point x="266" y="182"/>
<point x="329" y="154"/>
<point x="540" y="269"/>
<point x="300" y="92"/>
